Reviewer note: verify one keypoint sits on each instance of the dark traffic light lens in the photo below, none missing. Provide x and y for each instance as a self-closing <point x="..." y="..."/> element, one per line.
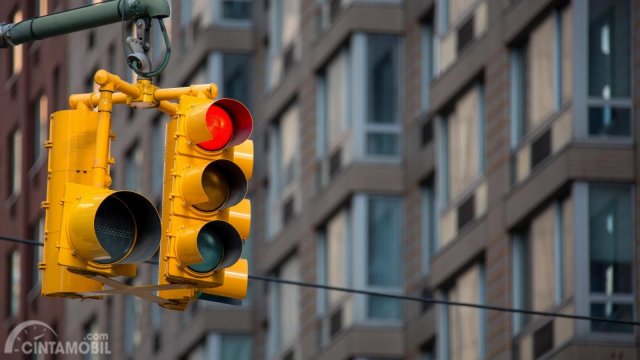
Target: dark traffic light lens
<point x="115" y="229"/>
<point x="211" y="248"/>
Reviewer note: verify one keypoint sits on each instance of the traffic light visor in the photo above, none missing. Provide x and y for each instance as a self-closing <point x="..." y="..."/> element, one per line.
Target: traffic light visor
<point x="114" y="227"/>
<point x="216" y="245"/>
<point x="219" y="125"/>
<point x="216" y="185"/>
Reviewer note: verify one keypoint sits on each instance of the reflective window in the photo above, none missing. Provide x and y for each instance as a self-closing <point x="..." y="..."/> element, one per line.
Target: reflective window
<point x="611" y="255"/>
<point x="609" y="61"/>
<point x="384" y="270"/>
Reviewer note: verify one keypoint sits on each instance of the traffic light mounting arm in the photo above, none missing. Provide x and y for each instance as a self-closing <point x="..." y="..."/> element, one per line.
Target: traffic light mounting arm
<point x="86" y="17"/>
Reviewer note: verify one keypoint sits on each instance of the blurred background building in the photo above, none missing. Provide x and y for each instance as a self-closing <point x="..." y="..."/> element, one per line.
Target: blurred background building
<point x="476" y="151"/>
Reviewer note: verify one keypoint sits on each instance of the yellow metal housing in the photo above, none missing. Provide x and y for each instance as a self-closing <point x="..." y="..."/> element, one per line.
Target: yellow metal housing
<point x="201" y="188"/>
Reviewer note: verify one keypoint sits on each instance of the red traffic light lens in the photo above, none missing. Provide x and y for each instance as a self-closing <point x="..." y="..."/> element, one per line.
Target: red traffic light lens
<point x="220" y="126"/>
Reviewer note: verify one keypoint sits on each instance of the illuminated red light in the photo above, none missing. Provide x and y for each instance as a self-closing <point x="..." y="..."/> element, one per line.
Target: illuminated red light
<point x="220" y="126"/>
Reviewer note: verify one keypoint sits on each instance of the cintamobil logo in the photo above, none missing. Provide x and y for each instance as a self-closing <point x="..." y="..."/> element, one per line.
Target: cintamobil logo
<point x="37" y="338"/>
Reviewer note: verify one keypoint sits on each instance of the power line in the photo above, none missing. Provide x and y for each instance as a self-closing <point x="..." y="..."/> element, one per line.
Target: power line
<point x="428" y="300"/>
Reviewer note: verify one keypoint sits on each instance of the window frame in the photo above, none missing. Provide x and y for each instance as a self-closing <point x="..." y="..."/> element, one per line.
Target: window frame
<point x="447" y="199"/>
<point x="520" y="132"/>
<point x="581" y="99"/>
<point x="360" y="264"/>
<point x="583" y="297"/>
<point x="359" y="96"/>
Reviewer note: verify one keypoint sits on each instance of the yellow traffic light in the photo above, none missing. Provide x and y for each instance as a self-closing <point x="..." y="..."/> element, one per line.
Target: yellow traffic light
<point x="90" y="229"/>
<point x="205" y="216"/>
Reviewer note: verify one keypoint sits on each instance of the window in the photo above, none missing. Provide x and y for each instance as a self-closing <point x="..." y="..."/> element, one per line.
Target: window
<point x="17" y="52"/>
<point x="611" y="252"/>
<point x="221" y="347"/>
<point x="235" y="347"/>
<point x="132" y="333"/>
<point x="236" y="9"/>
<point x="133" y="164"/>
<point x="236" y="71"/>
<point x="383" y="95"/>
<point x="91" y="327"/>
<point x="15" y="163"/>
<point x="333" y="249"/>
<point x="465" y="328"/>
<point x="541" y="73"/>
<point x="333" y="115"/>
<point x="383" y="251"/>
<point x="157" y="155"/>
<point x="284" y="301"/>
<point x="284" y="32"/>
<point x="232" y="73"/>
<point x="428" y="225"/>
<point x="463" y="144"/>
<point x="41" y="7"/>
<point x="609" y="59"/>
<point x="429" y="66"/>
<point x="284" y="166"/>
<point x="40" y="126"/>
<point x="15" y="269"/>
<point x="542" y="265"/>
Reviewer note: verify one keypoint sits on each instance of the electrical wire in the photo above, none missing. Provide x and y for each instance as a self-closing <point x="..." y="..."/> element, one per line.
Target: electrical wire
<point x="428" y="300"/>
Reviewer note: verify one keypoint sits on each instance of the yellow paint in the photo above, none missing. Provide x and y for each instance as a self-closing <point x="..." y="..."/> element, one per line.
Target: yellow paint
<point x="236" y="278"/>
<point x="190" y="181"/>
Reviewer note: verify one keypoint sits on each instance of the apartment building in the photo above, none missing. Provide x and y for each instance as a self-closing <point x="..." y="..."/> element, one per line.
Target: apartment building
<point x="477" y="151"/>
<point x="32" y="77"/>
<point x="520" y="177"/>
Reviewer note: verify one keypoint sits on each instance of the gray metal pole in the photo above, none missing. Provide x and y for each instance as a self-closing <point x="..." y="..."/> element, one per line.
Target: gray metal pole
<point x="81" y="19"/>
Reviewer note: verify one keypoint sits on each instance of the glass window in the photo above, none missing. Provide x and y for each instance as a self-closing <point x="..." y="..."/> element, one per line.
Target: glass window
<point x="41" y="7"/>
<point x="289" y="145"/>
<point x="429" y="220"/>
<point x="542" y="261"/>
<point x="609" y="68"/>
<point x="16" y="59"/>
<point x="336" y="238"/>
<point x="384" y="270"/>
<point x="91" y="327"/>
<point x="235" y="347"/>
<point x="464" y="144"/>
<point x="40" y="126"/>
<point x="541" y="73"/>
<point x="611" y="255"/>
<point x="15" y="278"/>
<point x="15" y="163"/>
<point x="284" y="323"/>
<point x="467" y="337"/>
<point x="132" y="322"/>
<point x="428" y="68"/>
<point x="336" y="95"/>
<point x="236" y="9"/>
<point x="383" y="90"/>
<point x="611" y="247"/>
<point x="539" y="63"/>
<point x="235" y="73"/>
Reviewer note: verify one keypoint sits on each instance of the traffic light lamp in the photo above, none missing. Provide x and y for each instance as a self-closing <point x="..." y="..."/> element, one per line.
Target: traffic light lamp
<point x="205" y="215"/>
<point x="90" y="229"/>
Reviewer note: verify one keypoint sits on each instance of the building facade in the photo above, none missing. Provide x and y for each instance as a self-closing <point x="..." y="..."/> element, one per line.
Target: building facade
<point x="478" y="151"/>
<point x="33" y="82"/>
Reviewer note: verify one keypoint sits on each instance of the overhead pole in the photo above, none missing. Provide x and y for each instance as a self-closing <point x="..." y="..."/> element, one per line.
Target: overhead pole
<point x="83" y="18"/>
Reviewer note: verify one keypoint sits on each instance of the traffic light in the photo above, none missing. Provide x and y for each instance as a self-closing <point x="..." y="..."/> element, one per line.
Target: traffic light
<point x="205" y="216"/>
<point x="90" y="229"/>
